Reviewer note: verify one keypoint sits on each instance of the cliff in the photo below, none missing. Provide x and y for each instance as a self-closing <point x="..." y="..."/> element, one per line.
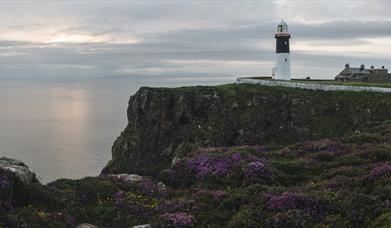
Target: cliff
<point x="167" y="123"/>
<point x="245" y="156"/>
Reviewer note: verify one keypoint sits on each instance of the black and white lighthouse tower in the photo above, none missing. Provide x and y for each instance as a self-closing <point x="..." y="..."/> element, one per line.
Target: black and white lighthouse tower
<point x="282" y="70"/>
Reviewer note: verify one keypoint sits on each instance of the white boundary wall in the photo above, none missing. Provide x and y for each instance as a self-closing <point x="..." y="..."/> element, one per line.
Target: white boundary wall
<point x="312" y="86"/>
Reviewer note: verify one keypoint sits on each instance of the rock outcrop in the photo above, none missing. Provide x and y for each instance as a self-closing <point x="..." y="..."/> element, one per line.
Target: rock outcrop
<point x="167" y="123"/>
<point x="17" y="185"/>
<point x="19" y="169"/>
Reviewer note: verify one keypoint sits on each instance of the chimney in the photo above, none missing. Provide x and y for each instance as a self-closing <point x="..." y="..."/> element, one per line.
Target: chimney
<point x="362" y="67"/>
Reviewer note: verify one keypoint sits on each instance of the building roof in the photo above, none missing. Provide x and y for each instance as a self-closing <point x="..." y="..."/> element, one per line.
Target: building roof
<point x="357" y="70"/>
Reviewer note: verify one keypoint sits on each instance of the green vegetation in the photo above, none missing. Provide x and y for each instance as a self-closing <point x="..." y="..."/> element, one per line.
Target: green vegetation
<point x="336" y="182"/>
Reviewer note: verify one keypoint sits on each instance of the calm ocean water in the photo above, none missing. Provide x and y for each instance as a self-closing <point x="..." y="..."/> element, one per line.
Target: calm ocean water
<point x="65" y="128"/>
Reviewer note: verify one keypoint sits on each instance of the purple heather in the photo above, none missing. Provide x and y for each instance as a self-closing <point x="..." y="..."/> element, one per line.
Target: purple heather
<point x="178" y="220"/>
<point x="148" y="188"/>
<point x="236" y="157"/>
<point x="288" y="200"/>
<point x="119" y="198"/>
<point x="380" y="171"/>
<point x="257" y="172"/>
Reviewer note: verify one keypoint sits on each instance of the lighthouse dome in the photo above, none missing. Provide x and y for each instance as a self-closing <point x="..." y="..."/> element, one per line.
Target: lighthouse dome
<point x="282" y="27"/>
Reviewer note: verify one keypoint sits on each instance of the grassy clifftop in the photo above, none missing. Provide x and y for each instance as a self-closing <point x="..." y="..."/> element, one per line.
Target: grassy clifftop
<point x="167" y="123"/>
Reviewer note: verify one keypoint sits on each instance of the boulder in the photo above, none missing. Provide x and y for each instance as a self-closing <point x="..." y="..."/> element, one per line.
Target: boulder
<point x="162" y="186"/>
<point x="130" y="178"/>
<point x="19" y="169"/>
<point x="143" y="226"/>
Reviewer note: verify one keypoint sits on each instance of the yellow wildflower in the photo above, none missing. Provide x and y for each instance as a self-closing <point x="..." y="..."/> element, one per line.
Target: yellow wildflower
<point x="42" y="214"/>
<point x="145" y="201"/>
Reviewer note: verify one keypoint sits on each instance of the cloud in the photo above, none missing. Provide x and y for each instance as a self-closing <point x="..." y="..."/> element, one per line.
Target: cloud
<point x="339" y="30"/>
<point x="230" y="38"/>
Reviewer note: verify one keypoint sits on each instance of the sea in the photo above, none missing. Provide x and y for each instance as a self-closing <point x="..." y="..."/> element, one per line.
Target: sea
<point x="65" y="128"/>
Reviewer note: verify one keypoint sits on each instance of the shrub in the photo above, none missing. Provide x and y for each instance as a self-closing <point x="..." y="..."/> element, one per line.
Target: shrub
<point x="246" y="216"/>
<point x="379" y="171"/>
<point x="178" y="220"/>
<point x="257" y="172"/>
<point x="288" y="200"/>
<point x="365" y="138"/>
<point x="383" y="221"/>
<point x="227" y="167"/>
<point x="289" y="218"/>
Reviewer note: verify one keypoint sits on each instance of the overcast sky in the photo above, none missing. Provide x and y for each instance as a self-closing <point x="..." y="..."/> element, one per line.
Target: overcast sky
<point x="79" y="39"/>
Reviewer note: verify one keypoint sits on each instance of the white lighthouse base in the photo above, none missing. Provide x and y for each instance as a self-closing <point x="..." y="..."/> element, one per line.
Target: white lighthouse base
<point x="283" y="66"/>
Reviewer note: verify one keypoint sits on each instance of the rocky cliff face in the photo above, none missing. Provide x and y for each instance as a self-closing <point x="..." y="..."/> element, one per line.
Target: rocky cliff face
<point x="167" y="123"/>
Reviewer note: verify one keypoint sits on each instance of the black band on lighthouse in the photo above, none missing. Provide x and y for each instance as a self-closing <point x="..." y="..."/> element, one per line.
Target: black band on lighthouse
<point x="282" y="44"/>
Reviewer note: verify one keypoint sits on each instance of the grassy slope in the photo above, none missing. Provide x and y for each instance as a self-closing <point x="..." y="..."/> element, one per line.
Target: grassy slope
<point x="338" y="182"/>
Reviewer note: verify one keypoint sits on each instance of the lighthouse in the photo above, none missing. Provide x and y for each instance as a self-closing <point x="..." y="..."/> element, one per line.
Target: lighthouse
<point x="282" y="70"/>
